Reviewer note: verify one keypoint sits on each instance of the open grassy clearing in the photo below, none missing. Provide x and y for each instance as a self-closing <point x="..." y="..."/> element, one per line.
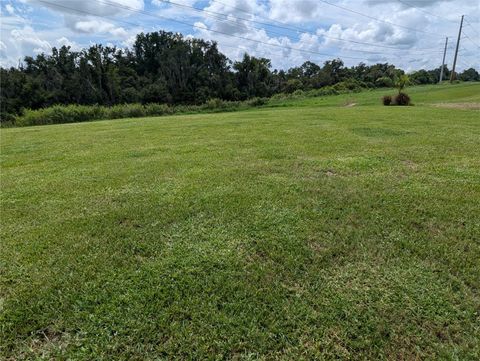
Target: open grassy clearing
<point x="427" y="95"/>
<point x="314" y="231"/>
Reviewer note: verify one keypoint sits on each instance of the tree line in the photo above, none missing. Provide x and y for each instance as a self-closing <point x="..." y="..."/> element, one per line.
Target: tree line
<point x="165" y="67"/>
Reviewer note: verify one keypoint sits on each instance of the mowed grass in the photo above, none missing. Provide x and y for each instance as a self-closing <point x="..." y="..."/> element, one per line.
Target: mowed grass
<point x="311" y="231"/>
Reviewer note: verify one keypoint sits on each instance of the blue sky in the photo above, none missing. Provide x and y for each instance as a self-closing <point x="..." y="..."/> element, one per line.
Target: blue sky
<point x="407" y="33"/>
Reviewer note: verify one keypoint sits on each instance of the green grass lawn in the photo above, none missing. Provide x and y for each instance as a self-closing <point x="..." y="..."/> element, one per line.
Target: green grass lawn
<point x="309" y="231"/>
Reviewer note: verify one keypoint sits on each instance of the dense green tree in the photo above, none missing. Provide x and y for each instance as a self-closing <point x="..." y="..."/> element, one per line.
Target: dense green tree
<point x="423" y="77"/>
<point x="253" y="76"/>
<point x="469" y="75"/>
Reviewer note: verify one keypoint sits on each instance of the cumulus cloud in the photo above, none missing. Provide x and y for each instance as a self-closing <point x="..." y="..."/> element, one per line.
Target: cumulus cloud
<point x="295" y="11"/>
<point x="64" y="41"/>
<point x="85" y="16"/>
<point x="10" y="9"/>
<point x="313" y="26"/>
<point x="412" y="3"/>
<point x="100" y="26"/>
<point x="27" y="38"/>
<point x="100" y="8"/>
<point x="19" y="42"/>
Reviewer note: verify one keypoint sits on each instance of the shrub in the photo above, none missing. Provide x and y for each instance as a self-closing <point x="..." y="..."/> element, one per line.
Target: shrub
<point x="328" y="90"/>
<point x="298" y="93"/>
<point x="57" y="114"/>
<point x="280" y="96"/>
<point x="80" y="113"/>
<point x="158" y="109"/>
<point x="350" y="85"/>
<point x="214" y="103"/>
<point x="402" y="99"/>
<point x="256" y="102"/>
<point x="187" y="109"/>
<point x="116" y="112"/>
<point x="387" y="99"/>
<point x="134" y="110"/>
<point x="293" y="85"/>
<point x="384" y="82"/>
<point x="7" y="119"/>
<point x="402" y="82"/>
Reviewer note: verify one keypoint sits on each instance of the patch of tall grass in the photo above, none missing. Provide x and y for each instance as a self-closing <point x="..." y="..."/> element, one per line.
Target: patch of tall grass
<point x="58" y="114"/>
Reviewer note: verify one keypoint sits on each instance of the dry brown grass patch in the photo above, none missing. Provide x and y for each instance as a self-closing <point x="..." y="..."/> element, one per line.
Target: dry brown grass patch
<point x="468" y="106"/>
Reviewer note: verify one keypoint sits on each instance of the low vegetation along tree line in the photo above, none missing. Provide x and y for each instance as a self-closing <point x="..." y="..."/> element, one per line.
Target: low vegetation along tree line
<point x="165" y="73"/>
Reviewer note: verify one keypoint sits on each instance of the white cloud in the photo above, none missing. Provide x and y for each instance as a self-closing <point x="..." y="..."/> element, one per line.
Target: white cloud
<point x="28" y="38"/>
<point x="86" y="7"/>
<point x="20" y="42"/>
<point x="128" y="42"/>
<point x="63" y="41"/>
<point x="100" y="26"/>
<point x="10" y="9"/>
<point x="311" y="25"/>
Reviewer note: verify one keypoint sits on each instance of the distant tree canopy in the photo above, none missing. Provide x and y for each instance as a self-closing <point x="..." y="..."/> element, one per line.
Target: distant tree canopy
<point x="469" y="75"/>
<point x="164" y="67"/>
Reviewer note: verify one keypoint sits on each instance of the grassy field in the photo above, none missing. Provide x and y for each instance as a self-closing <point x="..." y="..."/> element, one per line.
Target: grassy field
<point x="323" y="228"/>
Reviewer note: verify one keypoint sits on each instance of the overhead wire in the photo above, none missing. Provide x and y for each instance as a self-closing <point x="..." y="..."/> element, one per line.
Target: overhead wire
<point x="424" y="11"/>
<point x="381" y="20"/>
<point x="225" y="18"/>
<point x="224" y="33"/>
<point x="467" y="22"/>
<point x="244" y="38"/>
<point x="467" y="37"/>
<point x="202" y="28"/>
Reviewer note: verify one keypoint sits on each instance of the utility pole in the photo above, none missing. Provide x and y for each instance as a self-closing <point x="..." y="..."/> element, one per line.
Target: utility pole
<point x="443" y="61"/>
<point x="452" y="77"/>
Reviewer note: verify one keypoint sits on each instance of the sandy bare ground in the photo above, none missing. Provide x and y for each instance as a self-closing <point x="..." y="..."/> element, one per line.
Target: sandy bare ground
<point x="470" y="106"/>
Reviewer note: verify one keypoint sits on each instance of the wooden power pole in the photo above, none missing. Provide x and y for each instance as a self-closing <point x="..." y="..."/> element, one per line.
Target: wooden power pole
<point x="452" y="77"/>
<point x="443" y="61"/>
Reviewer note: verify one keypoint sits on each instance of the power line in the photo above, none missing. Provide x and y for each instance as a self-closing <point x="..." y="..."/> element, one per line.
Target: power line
<point x="224" y="18"/>
<point x="422" y="52"/>
<point x="199" y="27"/>
<point x="89" y="13"/>
<point x="284" y="26"/>
<point x="196" y="26"/>
<point x="222" y="32"/>
<point x="474" y="30"/>
<point x="227" y="34"/>
<point x="381" y="20"/>
<point x="467" y="37"/>
<point x="464" y="64"/>
<point x="470" y="24"/>
<point x="424" y="11"/>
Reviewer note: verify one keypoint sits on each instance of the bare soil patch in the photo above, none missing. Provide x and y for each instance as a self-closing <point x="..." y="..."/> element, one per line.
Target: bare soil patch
<point x="470" y="106"/>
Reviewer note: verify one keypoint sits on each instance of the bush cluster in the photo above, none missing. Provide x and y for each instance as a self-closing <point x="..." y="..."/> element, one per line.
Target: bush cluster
<point x="387" y="99"/>
<point x="350" y="85"/>
<point x="384" y="82"/>
<point x="81" y="113"/>
<point x="402" y="99"/>
<point x="257" y="102"/>
<point x="399" y="99"/>
<point x="58" y="114"/>
<point x="320" y="92"/>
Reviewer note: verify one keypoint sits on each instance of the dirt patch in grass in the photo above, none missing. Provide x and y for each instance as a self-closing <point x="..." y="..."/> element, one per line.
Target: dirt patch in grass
<point x="469" y="106"/>
<point x="410" y="164"/>
<point x="349" y="103"/>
